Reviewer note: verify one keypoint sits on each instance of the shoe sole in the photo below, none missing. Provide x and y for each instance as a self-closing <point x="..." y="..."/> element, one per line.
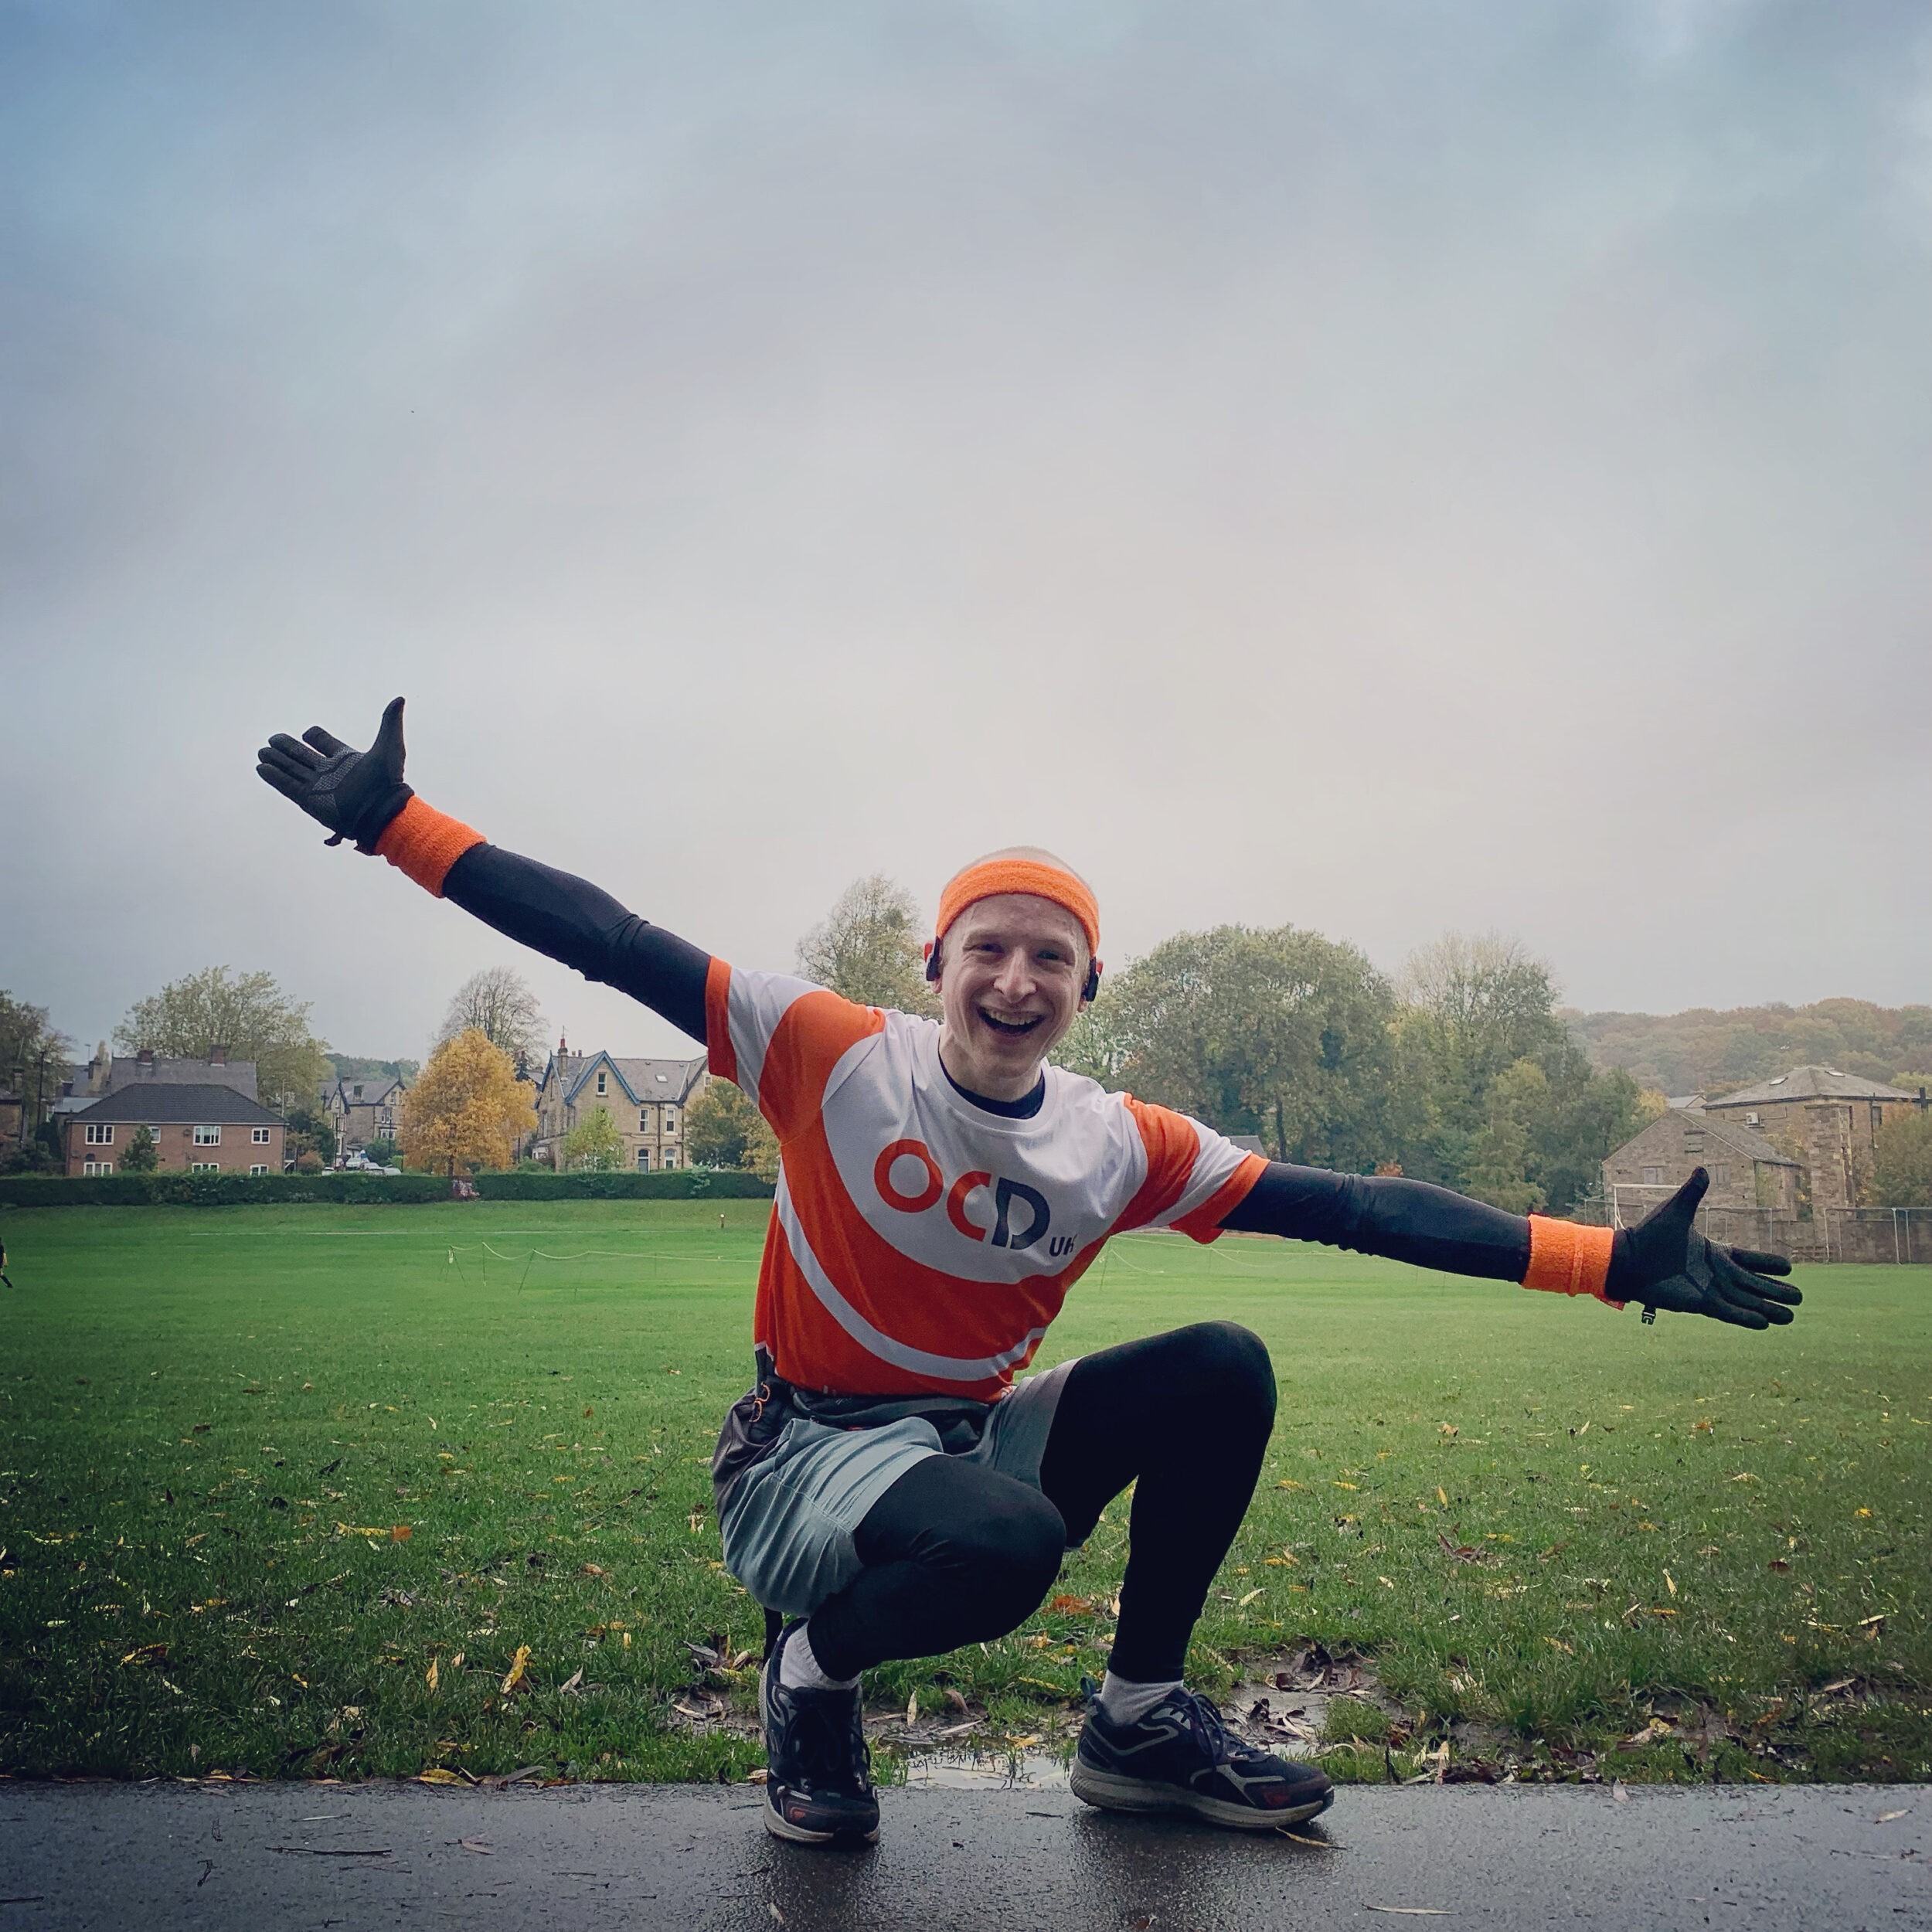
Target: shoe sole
<point x="1109" y="1791"/>
<point x="782" y="1827"/>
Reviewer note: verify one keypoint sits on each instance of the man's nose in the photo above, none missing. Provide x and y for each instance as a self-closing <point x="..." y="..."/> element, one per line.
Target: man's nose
<point x="1016" y="979"/>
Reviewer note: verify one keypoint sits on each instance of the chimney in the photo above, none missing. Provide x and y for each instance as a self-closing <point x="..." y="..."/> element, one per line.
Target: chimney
<point x="145" y="1060"/>
<point x="218" y="1055"/>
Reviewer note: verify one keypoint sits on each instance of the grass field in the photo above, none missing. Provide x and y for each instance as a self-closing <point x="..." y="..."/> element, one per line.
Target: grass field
<point x="300" y="1491"/>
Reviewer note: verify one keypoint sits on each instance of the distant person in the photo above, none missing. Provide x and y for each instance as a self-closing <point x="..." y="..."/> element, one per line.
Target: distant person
<point x="886" y="1484"/>
<point x="4" y="1276"/>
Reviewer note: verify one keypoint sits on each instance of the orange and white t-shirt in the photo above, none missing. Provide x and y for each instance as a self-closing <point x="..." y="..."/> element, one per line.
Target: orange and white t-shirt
<point x="919" y="1244"/>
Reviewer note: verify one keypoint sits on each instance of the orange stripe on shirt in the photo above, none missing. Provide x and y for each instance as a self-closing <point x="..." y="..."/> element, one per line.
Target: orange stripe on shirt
<point x="1172" y="1147"/>
<point x="424" y="843"/>
<point x="1567" y="1258"/>
<point x="717" y="1020"/>
<point x="1203" y="1223"/>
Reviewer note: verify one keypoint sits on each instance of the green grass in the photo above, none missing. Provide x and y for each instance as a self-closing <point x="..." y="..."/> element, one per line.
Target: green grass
<point x="215" y="1424"/>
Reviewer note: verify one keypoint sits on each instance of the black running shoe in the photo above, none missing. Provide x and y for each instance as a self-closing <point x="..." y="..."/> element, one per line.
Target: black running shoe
<point x="1181" y="1757"/>
<point x="818" y="1786"/>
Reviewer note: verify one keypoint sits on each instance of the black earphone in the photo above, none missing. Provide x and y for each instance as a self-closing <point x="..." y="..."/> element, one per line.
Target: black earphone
<point x="1089" y="988"/>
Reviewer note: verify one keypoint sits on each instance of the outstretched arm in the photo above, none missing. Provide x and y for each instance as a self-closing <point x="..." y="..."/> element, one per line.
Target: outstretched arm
<point x="1664" y="1263"/>
<point x="360" y="795"/>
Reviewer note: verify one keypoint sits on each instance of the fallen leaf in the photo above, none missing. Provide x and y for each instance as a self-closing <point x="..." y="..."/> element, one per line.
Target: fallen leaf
<point x="775" y="1912"/>
<point x="1288" y="1482"/>
<point x="519" y="1664"/>
<point x="1442" y="1496"/>
<point x="1886" y="1818"/>
<point x="1670" y="1583"/>
<point x="400" y="1532"/>
<point x="1617" y="1791"/>
<point x="1861" y="1512"/>
<point x="433" y="1677"/>
<point x="1340" y="1484"/>
<point x="1072" y="1606"/>
<point x="1248" y="1599"/>
<point x="955" y="1699"/>
<point x="1411" y="1911"/>
<point x="1651" y="1734"/>
<point x="477" y="1845"/>
<point x="912" y="1709"/>
<point x="1447" y="1429"/>
<point x="594" y="1570"/>
<point x="1556" y="1643"/>
<point x="571" y="1682"/>
<point x="436" y="1774"/>
<point x="1320" y="1844"/>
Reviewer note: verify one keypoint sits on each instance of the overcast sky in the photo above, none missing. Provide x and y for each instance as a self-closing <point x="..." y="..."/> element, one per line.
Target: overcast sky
<point x="1381" y="467"/>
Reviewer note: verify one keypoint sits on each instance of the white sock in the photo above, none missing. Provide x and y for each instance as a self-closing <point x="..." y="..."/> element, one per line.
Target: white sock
<point x="798" y="1669"/>
<point x="1123" y="1701"/>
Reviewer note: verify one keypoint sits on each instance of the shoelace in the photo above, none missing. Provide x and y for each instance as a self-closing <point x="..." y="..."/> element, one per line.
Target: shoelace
<point x="831" y="1751"/>
<point x="1223" y="1746"/>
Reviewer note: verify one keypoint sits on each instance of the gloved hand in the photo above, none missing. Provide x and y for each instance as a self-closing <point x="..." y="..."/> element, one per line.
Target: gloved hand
<point x="355" y="794"/>
<point x="1666" y="1263"/>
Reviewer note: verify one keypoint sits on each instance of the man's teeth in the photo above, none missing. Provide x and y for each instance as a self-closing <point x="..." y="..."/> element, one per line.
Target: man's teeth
<point x="1021" y="1023"/>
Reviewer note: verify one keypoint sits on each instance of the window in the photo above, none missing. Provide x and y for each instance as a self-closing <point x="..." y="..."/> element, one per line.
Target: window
<point x="644" y="1160"/>
<point x="670" y="1158"/>
<point x="1877" y="1117"/>
<point x="643" y="1120"/>
<point x="1693" y="1143"/>
<point x="208" y="1136"/>
<point x="1653" y="1177"/>
<point x="99" y="1133"/>
<point x="603" y="1081"/>
<point x="260" y="1137"/>
<point x="96" y="1166"/>
<point x="1720" y="1174"/>
<point x="671" y="1120"/>
<point x="204" y="1167"/>
<point x="260" y="1166"/>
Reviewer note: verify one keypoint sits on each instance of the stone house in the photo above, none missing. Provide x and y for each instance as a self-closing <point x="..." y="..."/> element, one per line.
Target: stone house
<point x="1747" y="1170"/>
<point x="646" y="1100"/>
<point x="202" y="1128"/>
<point x="360" y="1111"/>
<point x="1829" y="1118"/>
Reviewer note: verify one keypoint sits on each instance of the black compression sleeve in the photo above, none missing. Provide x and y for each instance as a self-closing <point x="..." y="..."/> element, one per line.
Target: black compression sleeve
<point x="1384" y="1214"/>
<point x="574" y="921"/>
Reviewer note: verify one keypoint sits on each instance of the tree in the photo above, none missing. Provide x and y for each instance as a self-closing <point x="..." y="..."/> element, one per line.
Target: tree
<point x="249" y="1015"/>
<point x="357" y="1066"/>
<point x="499" y="1004"/>
<point x="140" y="1155"/>
<point x="382" y="1152"/>
<point x="868" y="948"/>
<point x="1276" y="1032"/>
<point x="310" y="1132"/>
<point x="33" y="1057"/>
<point x="468" y="1106"/>
<point x="595" y="1145"/>
<point x="721" y="1128"/>
<point x="1503" y="1154"/>
<point x="1901" y="1161"/>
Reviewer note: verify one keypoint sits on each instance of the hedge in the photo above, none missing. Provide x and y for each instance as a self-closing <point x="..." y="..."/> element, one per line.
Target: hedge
<point x="264" y="1190"/>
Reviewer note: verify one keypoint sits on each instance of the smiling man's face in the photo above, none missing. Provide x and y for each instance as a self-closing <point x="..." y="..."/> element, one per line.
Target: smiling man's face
<point x="1011" y="968"/>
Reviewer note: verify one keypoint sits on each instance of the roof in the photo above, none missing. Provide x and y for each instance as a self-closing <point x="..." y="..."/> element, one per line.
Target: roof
<point x="643" y="1081"/>
<point x="373" y="1092"/>
<point x="177" y="1103"/>
<point x="123" y="1071"/>
<point x="1812" y="1083"/>
<point x="1733" y="1134"/>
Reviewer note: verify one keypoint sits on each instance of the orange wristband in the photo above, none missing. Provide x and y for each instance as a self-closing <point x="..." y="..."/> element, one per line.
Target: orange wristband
<point x="424" y="843"/>
<point x="1567" y="1258"/>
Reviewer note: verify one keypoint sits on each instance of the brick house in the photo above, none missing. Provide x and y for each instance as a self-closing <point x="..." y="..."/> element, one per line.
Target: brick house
<point x="1747" y="1170"/>
<point x="200" y="1129"/>
<point x="646" y="1100"/>
<point x="1832" y="1117"/>
<point x="362" y="1111"/>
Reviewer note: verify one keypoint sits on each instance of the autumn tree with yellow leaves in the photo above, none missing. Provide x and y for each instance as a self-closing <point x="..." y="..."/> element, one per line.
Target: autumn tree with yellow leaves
<point x="466" y="1106"/>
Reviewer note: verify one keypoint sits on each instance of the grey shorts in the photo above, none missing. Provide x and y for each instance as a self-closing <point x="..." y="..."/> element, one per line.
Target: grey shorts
<point x="789" y="1526"/>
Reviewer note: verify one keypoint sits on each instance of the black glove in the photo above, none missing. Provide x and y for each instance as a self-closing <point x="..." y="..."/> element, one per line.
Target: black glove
<point x="355" y="794"/>
<point x="1666" y="1263"/>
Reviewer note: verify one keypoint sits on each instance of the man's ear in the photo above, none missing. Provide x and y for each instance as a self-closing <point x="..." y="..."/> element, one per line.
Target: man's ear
<point x="931" y="956"/>
<point x="1091" y="990"/>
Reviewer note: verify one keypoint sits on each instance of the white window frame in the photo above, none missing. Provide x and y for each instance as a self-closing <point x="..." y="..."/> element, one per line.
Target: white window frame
<point x="100" y="1134"/>
<point x="96" y="1166"/>
<point x="259" y="1167"/>
<point x="644" y="1160"/>
<point x="259" y="1136"/>
<point x="204" y="1167"/>
<point x="208" y="1136"/>
<point x="668" y="1158"/>
<point x="1653" y="1177"/>
<point x="603" y="1083"/>
<point x="643" y="1120"/>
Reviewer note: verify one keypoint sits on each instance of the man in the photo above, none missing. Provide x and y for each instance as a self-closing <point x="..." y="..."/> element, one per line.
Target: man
<point x="886" y="1484"/>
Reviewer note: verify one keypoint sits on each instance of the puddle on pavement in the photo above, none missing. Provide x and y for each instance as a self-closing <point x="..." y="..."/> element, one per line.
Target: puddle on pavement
<point x="987" y="1770"/>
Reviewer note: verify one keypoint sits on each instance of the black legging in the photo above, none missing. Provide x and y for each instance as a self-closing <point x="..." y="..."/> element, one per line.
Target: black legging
<point x="956" y="1554"/>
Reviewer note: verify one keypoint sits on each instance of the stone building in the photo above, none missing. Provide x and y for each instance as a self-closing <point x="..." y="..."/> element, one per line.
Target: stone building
<point x="360" y="1111"/>
<point x="1747" y="1170"/>
<point x="1828" y="1118"/>
<point x="203" y="1128"/>
<point x="646" y="1100"/>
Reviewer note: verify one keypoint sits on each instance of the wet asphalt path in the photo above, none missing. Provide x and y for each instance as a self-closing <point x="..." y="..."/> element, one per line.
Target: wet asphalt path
<point x="251" y="1857"/>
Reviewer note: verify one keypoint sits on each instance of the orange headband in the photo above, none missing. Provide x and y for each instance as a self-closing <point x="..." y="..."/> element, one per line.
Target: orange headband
<point x="992" y="876"/>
